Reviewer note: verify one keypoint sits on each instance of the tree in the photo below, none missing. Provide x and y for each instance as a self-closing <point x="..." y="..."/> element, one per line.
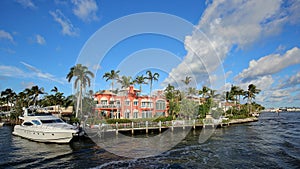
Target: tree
<point x="125" y="81"/>
<point x="112" y="75"/>
<point x="83" y="79"/>
<point x="191" y="91"/>
<point x="234" y="90"/>
<point x="204" y="91"/>
<point x="8" y="95"/>
<point x="152" y="77"/>
<point x="250" y="94"/>
<point x="173" y="97"/>
<point x="36" y="91"/>
<point x="140" y="80"/>
<point x="187" y="80"/>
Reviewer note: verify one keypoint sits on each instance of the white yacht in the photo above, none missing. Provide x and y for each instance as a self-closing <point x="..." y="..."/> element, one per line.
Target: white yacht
<point x="44" y="127"/>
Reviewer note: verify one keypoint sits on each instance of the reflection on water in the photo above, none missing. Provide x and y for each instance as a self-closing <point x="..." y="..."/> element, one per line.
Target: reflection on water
<point x="272" y="142"/>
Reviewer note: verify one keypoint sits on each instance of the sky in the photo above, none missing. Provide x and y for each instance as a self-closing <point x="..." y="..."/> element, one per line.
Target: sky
<point x="217" y="43"/>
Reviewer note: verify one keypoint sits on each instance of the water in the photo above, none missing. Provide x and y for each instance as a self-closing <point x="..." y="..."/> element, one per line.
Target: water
<point x="272" y="142"/>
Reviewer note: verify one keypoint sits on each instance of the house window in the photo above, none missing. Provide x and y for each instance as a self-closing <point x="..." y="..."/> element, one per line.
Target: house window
<point x="127" y="114"/>
<point x="104" y="102"/>
<point x="158" y="114"/>
<point x="135" y="114"/>
<point x="135" y="103"/>
<point x="146" y="105"/>
<point x="127" y="102"/>
<point x="160" y="105"/>
<point x="146" y="114"/>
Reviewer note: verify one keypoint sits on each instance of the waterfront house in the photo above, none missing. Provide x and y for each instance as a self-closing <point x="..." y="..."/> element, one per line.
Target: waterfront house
<point x="129" y="103"/>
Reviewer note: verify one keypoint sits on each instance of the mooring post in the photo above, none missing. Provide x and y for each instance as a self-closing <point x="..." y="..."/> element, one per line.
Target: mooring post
<point x="172" y="128"/>
<point x="194" y="123"/>
<point x="159" y="126"/>
<point x="117" y="132"/>
<point x="132" y="128"/>
<point x="146" y="127"/>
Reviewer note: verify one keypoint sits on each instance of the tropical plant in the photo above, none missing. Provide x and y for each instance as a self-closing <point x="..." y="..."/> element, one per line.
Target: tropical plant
<point x="250" y="94"/>
<point x="83" y="79"/>
<point x="8" y="96"/>
<point x="204" y="91"/>
<point x="112" y="75"/>
<point x="191" y="91"/>
<point x="140" y="80"/>
<point x="125" y="81"/>
<point x="152" y="77"/>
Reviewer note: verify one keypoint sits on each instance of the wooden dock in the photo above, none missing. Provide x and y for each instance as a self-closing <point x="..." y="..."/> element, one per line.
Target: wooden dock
<point x="158" y="127"/>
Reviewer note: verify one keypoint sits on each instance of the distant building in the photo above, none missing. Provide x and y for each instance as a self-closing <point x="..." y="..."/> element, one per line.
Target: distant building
<point x="129" y="104"/>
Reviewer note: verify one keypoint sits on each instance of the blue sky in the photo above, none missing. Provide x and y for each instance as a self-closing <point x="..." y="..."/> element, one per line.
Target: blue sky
<point x="224" y="43"/>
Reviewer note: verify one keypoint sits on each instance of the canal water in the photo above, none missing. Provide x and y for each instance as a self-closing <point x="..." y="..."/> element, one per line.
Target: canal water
<point x="271" y="142"/>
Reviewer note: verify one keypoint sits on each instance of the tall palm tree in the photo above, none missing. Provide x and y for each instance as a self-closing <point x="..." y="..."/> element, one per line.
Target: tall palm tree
<point x="187" y="80"/>
<point x="8" y="95"/>
<point x="191" y="91"/>
<point x="140" y="80"/>
<point x="204" y="91"/>
<point x="36" y="91"/>
<point x="152" y="77"/>
<point x="250" y="94"/>
<point x="28" y="94"/>
<point x="112" y="75"/>
<point x="235" y="91"/>
<point x="54" y="89"/>
<point x="125" y="81"/>
<point x="83" y="79"/>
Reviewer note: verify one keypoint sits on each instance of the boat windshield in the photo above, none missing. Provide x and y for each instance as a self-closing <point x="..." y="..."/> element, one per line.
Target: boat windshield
<point x="52" y="121"/>
<point x="36" y="122"/>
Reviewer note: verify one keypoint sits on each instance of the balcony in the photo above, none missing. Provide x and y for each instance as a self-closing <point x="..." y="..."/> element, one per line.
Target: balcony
<point x="108" y="106"/>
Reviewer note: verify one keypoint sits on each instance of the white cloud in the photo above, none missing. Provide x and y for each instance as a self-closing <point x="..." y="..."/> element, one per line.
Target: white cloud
<point x="7" y="36"/>
<point x="226" y="24"/>
<point x="67" y="26"/>
<point x="291" y="82"/>
<point x="26" y="3"/>
<point x="40" y="39"/>
<point x="270" y="64"/>
<point x="11" y="71"/>
<point x="27" y="84"/>
<point x="86" y="10"/>
<point x="39" y="74"/>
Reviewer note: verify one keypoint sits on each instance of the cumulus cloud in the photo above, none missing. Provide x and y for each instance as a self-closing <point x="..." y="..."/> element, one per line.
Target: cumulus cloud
<point x="65" y="23"/>
<point x="225" y="24"/>
<point x="86" y="10"/>
<point x="291" y="82"/>
<point x="6" y="36"/>
<point x="270" y="64"/>
<point x="26" y="3"/>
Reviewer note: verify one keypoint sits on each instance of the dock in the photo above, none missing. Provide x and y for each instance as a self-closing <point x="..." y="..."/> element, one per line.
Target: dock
<point x="158" y="127"/>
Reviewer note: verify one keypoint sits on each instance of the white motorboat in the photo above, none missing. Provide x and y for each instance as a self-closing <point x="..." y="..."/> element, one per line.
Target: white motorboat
<point x="1" y="124"/>
<point x="44" y="127"/>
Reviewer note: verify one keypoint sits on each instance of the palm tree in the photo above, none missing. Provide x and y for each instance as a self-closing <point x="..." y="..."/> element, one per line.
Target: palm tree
<point x="191" y="91"/>
<point x="83" y="79"/>
<point x="204" y="91"/>
<point x="54" y="89"/>
<point x="140" y="80"/>
<point x="112" y="75"/>
<point x="187" y="80"/>
<point x="152" y="77"/>
<point x="250" y="94"/>
<point x="36" y="91"/>
<point x="125" y="81"/>
<point x="8" y="95"/>
<point x="235" y="92"/>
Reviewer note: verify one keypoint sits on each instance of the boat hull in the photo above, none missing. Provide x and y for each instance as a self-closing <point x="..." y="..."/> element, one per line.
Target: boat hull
<point x="48" y="136"/>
